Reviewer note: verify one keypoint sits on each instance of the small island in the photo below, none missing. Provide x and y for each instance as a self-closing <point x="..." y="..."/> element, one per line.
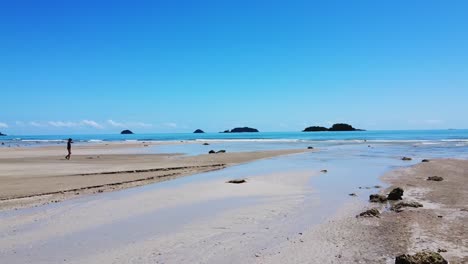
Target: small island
<point x="1" y="134"/>
<point x="335" y="127"/>
<point x="242" y="130"/>
<point x="198" y="131"/>
<point x="126" y="132"/>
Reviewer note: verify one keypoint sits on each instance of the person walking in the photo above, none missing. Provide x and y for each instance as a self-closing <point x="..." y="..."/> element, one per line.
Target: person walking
<point x="69" y="149"/>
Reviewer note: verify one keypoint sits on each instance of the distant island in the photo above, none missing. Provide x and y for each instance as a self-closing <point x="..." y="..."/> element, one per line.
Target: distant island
<point x="198" y="131"/>
<point x="335" y="127"/>
<point x="1" y="134"/>
<point x="126" y="132"/>
<point x="241" y="130"/>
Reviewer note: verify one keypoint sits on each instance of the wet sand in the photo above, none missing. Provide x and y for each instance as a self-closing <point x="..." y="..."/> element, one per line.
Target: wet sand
<point x="31" y="176"/>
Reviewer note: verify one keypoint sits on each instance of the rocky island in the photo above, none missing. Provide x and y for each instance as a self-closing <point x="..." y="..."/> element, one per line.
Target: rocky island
<point x="126" y="132"/>
<point x="241" y="130"/>
<point x="335" y="127"/>
<point x="1" y="134"/>
<point x="198" y="131"/>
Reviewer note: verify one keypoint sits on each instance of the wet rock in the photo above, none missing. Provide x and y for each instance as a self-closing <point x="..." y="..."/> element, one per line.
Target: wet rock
<point x="221" y="151"/>
<point x="206" y="144"/>
<point x="377" y="198"/>
<point x="352" y="194"/>
<point x="424" y="257"/>
<point x="398" y="207"/>
<point x="374" y="212"/>
<point x="377" y="186"/>
<point x="441" y="250"/>
<point x="211" y="152"/>
<point x="406" y="158"/>
<point x="310" y="147"/>
<point x="237" y="181"/>
<point x="435" y="178"/>
<point x="324" y="171"/>
<point x="198" y="131"/>
<point x="425" y="160"/>
<point x="395" y="194"/>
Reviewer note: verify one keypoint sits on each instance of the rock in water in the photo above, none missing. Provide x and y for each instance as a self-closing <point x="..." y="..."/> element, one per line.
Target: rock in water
<point x="435" y="178"/>
<point x="424" y="257"/>
<point x="126" y="132"/>
<point x="237" y="181"/>
<point x="1" y="134"/>
<point x="206" y="144"/>
<point x="243" y="129"/>
<point x="406" y="158"/>
<point x="310" y="147"/>
<point x="370" y="213"/>
<point x="377" y="198"/>
<point x="211" y="152"/>
<point x="395" y="194"/>
<point x="315" y="129"/>
<point x="425" y="160"/>
<point x="221" y="151"/>
<point x="198" y="131"/>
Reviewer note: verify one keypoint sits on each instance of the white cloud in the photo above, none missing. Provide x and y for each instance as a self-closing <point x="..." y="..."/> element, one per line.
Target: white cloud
<point x="62" y="124"/>
<point x="92" y="123"/>
<point x="3" y="125"/>
<point x="35" y="124"/>
<point x="115" y="124"/>
<point x="141" y="124"/>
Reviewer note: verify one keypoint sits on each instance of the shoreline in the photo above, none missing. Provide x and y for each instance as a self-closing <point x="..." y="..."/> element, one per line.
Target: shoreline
<point x="30" y="177"/>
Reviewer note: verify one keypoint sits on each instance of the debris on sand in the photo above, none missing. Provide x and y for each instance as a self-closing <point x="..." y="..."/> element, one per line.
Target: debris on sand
<point x="406" y="158"/>
<point x="398" y="207"/>
<point x="374" y="212"/>
<point x="377" y="198"/>
<point x="425" y="160"/>
<point x="435" y="178"/>
<point x="424" y="257"/>
<point x="395" y="194"/>
<point x="237" y="181"/>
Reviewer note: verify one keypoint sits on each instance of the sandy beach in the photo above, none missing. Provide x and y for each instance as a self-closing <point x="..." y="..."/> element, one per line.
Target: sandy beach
<point x="40" y="175"/>
<point x="182" y="210"/>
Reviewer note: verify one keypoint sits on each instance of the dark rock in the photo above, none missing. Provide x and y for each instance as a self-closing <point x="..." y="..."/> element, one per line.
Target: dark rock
<point x="441" y="250"/>
<point x="237" y="181"/>
<point x="395" y="194"/>
<point x="377" y="198"/>
<point x="342" y="127"/>
<point x="1" y="134"/>
<point x="3" y="144"/>
<point x="198" y="131"/>
<point x="424" y="257"/>
<point x="425" y="160"/>
<point x="398" y="207"/>
<point x="206" y="144"/>
<point x="243" y="129"/>
<point x="324" y="171"/>
<point x="315" y="129"/>
<point x="310" y="147"/>
<point x="221" y="151"/>
<point x="226" y="131"/>
<point x="352" y="194"/>
<point x="406" y="158"/>
<point x="374" y="212"/>
<point x="377" y="186"/>
<point x="435" y="178"/>
<point x="126" y="132"/>
<point x="211" y="152"/>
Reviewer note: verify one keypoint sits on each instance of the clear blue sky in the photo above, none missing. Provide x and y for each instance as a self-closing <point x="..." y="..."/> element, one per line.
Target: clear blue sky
<point x="174" y="66"/>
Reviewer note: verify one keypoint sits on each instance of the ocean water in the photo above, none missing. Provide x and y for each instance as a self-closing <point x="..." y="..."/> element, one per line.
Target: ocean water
<point x="388" y="136"/>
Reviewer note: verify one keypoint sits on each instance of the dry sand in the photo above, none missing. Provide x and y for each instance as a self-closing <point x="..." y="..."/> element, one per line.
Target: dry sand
<point x="38" y="175"/>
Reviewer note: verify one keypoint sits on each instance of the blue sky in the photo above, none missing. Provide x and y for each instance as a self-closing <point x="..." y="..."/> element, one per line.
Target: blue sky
<point x="174" y="66"/>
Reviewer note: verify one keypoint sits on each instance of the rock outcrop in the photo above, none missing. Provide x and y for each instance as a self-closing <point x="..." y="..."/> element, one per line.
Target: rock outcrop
<point x="398" y="207"/>
<point x="237" y="181"/>
<point x="1" y="134"/>
<point x="242" y="130"/>
<point x="424" y="257"/>
<point x="377" y="198"/>
<point x="406" y="158"/>
<point x="126" y="132"/>
<point x="335" y="127"/>
<point x="435" y="178"/>
<point x="425" y="160"/>
<point x="374" y="212"/>
<point x="395" y="194"/>
<point x="198" y="131"/>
